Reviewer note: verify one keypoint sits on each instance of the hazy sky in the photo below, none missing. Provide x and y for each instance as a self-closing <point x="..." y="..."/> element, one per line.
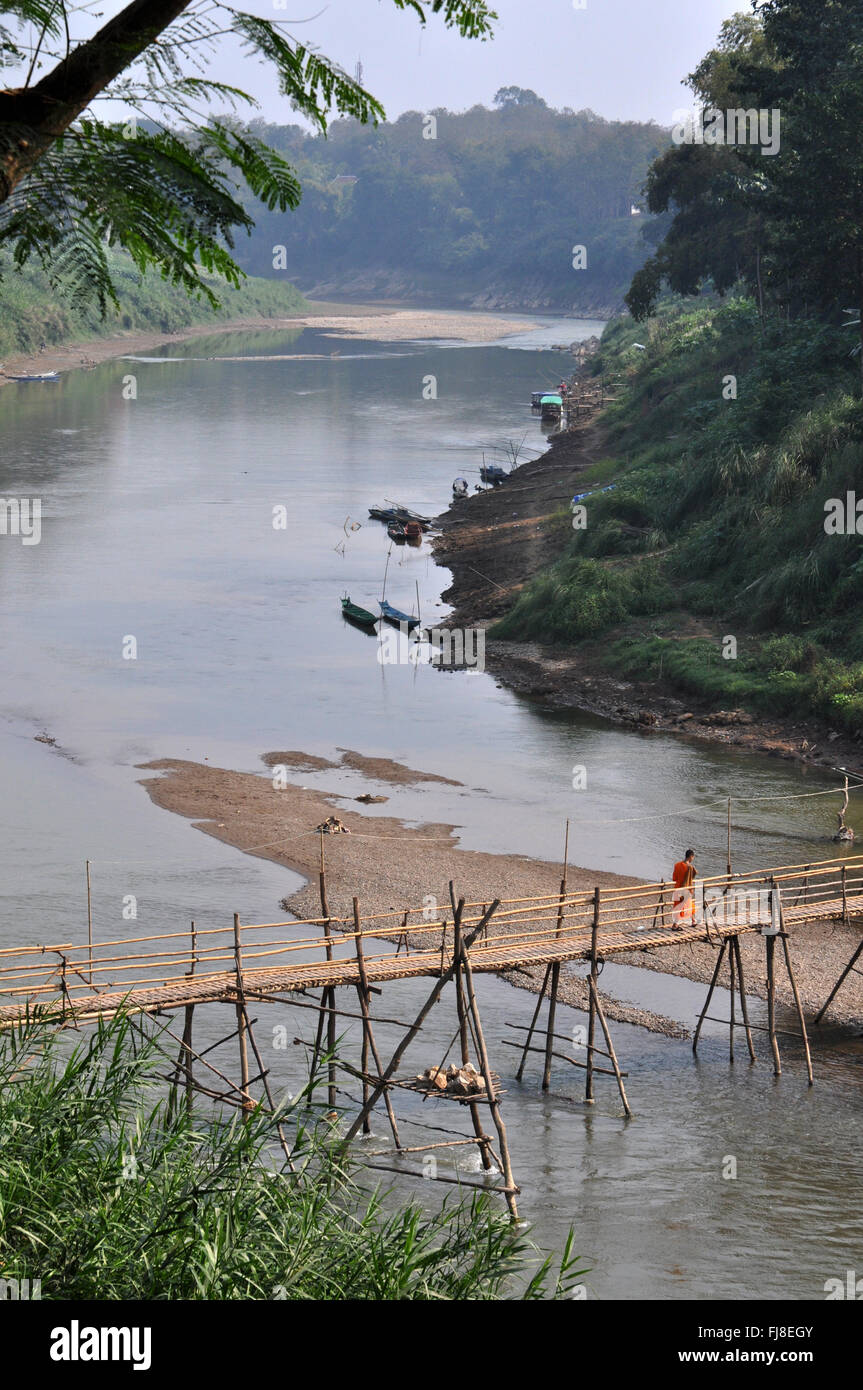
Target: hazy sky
<point x="622" y="58"/>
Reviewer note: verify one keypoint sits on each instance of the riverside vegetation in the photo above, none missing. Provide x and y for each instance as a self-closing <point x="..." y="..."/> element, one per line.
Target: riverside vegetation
<point x="109" y="1193"/>
<point x="727" y="560"/>
<point x="32" y="312"/>
<point x="716" y="526"/>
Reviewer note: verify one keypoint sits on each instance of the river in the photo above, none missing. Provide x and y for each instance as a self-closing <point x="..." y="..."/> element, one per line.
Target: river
<point x="157" y="524"/>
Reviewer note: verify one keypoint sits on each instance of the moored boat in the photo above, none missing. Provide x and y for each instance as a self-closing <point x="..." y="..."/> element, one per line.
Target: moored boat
<point x="413" y="532"/>
<point x="397" y="531"/>
<point x="396" y="617"/>
<point x="355" y="614"/>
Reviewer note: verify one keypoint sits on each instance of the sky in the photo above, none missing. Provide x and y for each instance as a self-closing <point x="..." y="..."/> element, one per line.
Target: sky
<point x="624" y="59"/>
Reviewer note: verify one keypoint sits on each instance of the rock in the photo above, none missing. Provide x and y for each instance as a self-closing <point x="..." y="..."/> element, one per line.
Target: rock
<point x="647" y="717"/>
<point x="46" y="738"/>
<point x="682" y="718"/>
<point x="368" y="800"/>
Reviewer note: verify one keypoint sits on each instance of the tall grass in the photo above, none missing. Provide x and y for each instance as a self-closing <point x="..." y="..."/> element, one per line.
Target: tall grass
<point x="105" y="1194"/>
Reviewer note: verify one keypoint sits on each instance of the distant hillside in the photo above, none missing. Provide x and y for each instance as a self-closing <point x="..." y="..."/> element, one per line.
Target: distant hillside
<point x="31" y="312"/>
<point x="484" y="214"/>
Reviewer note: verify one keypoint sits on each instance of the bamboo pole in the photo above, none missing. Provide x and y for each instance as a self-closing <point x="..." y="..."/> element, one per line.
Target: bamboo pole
<point x="735" y="946"/>
<point x="519" y="1074"/>
<point x="241" y="1020"/>
<point x="493" y="1103"/>
<point x="797" y="1002"/>
<point x="842" y="978"/>
<point x="415" y="1027"/>
<point x="89" y="921"/>
<point x="482" y="1138"/>
<point x="368" y="1035"/>
<point x="591" y="1023"/>
<point x="731" y="1004"/>
<point x="606" y="1032"/>
<point x="552" y="1006"/>
<point x="769" y="946"/>
<point x="703" y="1013"/>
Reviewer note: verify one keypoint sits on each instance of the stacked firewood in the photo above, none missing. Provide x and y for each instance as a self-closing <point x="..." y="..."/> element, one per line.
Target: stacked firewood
<point x="456" y="1081"/>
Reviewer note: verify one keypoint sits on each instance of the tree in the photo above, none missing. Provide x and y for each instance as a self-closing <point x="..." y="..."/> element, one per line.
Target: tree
<point x="516" y="96"/>
<point x="165" y="189"/>
<point x="790" y="226"/>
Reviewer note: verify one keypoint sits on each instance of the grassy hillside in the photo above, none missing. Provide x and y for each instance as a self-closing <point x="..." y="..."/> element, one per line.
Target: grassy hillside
<point x="716" y="527"/>
<point x="31" y="312"/>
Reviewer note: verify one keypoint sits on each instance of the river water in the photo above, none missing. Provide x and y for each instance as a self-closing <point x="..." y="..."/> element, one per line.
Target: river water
<point x="157" y="524"/>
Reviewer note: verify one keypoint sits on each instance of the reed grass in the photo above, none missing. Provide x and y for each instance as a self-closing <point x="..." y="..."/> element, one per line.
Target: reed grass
<point x="107" y="1195"/>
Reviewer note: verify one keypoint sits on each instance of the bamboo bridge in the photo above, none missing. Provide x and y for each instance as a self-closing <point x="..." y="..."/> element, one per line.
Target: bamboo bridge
<point x="158" y="975"/>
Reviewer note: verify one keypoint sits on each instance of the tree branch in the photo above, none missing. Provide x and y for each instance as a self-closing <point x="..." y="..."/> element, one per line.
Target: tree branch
<point x="32" y="118"/>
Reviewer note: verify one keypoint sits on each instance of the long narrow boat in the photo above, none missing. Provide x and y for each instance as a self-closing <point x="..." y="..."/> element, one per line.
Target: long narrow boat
<point x="354" y="614"/>
<point x="395" y="615"/>
<point x="32" y="376"/>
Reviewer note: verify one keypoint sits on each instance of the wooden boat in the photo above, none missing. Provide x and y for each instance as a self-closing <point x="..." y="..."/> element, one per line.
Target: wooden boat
<point x="492" y="473"/>
<point x="32" y="376"/>
<point x="396" y="617"/>
<point x="413" y="532"/>
<point x="397" y="531"/>
<point x="395" y="513"/>
<point x="551" y="407"/>
<point x="354" y="614"/>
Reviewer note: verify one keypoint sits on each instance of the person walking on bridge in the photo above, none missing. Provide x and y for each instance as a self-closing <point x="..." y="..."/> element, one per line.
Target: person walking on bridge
<point x="683" y="899"/>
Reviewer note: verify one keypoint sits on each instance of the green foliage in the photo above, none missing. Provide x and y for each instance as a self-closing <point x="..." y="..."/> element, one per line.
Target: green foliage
<point x="784" y="224"/>
<point x="488" y="208"/>
<point x="168" y="193"/>
<point x="719" y="512"/>
<point x="31" y="312"/>
<point x="106" y="1195"/>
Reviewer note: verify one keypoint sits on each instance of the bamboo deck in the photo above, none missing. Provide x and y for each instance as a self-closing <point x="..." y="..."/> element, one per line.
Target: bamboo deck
<point x="542" y="931"/>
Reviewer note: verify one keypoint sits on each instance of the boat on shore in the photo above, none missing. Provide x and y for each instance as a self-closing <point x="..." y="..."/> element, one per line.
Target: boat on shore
<point x="492" y="473"/>
<point x="394" y="512"/>
<point x="31" y="376"/>
<point x="361" y="617"/>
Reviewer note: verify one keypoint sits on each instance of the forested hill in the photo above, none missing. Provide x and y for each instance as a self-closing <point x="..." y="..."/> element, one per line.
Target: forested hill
<point x="480" y="208"/>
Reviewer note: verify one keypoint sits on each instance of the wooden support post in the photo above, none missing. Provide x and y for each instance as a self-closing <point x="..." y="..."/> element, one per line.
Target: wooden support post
<point x="770" y="946"/>
<point x="328" y="995"/>
<point x="735" y="946"/>
<point x="89" y="925"/>
<point x="549" y="1037"/>
<point x="606" y="1032"/>
<point x="797" y="1002"/>
<point x="520" y="1073"/>
<point x="493" y="1102"/>
<point x="484" y="1142"/>
<point x="842" y="978"/>
<point x="591" y="1022"/>
<point x="368" y="1035"/>
<point x="241" y="1020"/>
<point x="719" y="960"/>
<point x="844" y="898"/>
<point x="731" y="987"/>
<point x="417" y="1024"/>
<point x="728" y="841"/>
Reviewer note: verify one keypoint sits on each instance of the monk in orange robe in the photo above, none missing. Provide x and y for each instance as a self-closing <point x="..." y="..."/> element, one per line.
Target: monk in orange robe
<point x="683" y="900"/>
